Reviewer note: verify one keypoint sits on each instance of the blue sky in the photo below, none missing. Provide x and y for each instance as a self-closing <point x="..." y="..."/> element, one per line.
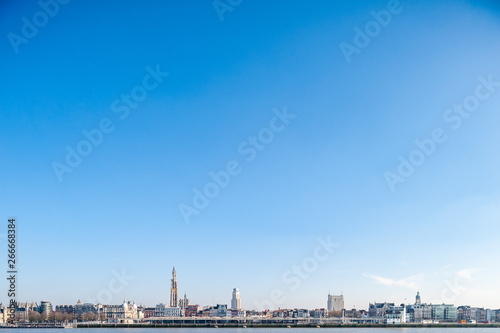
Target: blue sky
<point x="322" y="175"/>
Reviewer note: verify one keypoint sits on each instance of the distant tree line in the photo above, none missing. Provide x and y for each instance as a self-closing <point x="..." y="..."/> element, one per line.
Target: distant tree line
<point x="37" y="317"/>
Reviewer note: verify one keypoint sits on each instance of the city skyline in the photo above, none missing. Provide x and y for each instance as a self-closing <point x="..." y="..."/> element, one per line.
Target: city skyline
<point x="333" y="302"/>
<point x="130" y="313"/>
<point x="282" y="148"/>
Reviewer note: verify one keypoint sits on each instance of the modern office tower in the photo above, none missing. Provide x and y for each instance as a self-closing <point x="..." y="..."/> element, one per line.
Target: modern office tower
<point x="335" y="302"/>
<point x="174" y="294"/>
<point x="235" y="301"/>
<point x="45" y="308"/>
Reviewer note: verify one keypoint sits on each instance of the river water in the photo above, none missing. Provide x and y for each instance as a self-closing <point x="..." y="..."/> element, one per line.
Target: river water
<point x="268" y="330"/>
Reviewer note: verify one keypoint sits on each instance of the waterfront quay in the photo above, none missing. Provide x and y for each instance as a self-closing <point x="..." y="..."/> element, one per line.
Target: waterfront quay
<point x="269" y="322"/>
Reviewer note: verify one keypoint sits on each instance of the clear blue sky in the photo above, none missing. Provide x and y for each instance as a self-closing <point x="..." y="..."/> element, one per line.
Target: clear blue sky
<point x="322" y="175"/>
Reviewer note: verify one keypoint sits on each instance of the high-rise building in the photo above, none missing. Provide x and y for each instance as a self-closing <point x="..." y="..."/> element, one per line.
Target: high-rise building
<point x="235" y="301"/>
<point x="335" y="302"/>
<point x="45" y="308"/>
<point x="174" y="294"/>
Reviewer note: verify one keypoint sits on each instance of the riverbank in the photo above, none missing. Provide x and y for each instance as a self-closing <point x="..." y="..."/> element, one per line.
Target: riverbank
<point x="496" y="325"/>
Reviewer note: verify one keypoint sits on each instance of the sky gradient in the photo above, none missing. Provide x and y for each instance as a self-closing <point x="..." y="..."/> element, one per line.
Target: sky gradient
<point x="321" y="173"/>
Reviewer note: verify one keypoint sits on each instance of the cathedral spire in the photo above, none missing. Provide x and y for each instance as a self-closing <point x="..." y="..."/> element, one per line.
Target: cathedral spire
<point x="174" y="294"/>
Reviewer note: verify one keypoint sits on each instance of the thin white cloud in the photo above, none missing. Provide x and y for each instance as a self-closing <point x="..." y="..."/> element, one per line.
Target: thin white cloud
<point x="409" y="282"/>
<point x="467" y="273"/>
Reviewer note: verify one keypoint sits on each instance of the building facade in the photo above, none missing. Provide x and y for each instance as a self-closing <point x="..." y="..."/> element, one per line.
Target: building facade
<point x="235" y="300"/>
<point x="191" y="310"/>
<point x="396" y="315"/>
<point x="69" y="309"/>
<point x="162" y="310"/>
<point x="319" y="313"/>
<point x="126" y="313"/>
<point x="23" y="310"/>
<point x="379" y="309"/>
<point x="83" y="308"/>
<point x="335" y="302"/>
<point x="149" y="312"/>
<point x="45" y="309"/>
<point x="446" y="313"/>
<point x="222" y="311"/>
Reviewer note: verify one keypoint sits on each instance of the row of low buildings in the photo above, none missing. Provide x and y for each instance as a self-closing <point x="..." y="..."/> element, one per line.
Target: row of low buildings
<point x="431" y="313"/>
<point x="389" y="313"/>
<point x="23" y="309"/>
<point x="300" y="313"/>
<point x="80" y="311"/>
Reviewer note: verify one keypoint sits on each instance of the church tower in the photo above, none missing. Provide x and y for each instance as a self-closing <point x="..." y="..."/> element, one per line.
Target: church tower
<point x="173" y="290"/>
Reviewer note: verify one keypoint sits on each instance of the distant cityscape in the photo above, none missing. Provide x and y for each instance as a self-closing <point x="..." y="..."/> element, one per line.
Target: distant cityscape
<point x="180" y="311"/>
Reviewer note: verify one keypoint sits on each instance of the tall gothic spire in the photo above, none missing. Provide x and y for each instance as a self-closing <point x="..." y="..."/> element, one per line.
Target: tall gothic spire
<point x="174" y="294"/>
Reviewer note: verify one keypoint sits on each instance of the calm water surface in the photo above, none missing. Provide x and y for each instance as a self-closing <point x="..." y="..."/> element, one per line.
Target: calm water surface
<point x="262" y="330"/>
